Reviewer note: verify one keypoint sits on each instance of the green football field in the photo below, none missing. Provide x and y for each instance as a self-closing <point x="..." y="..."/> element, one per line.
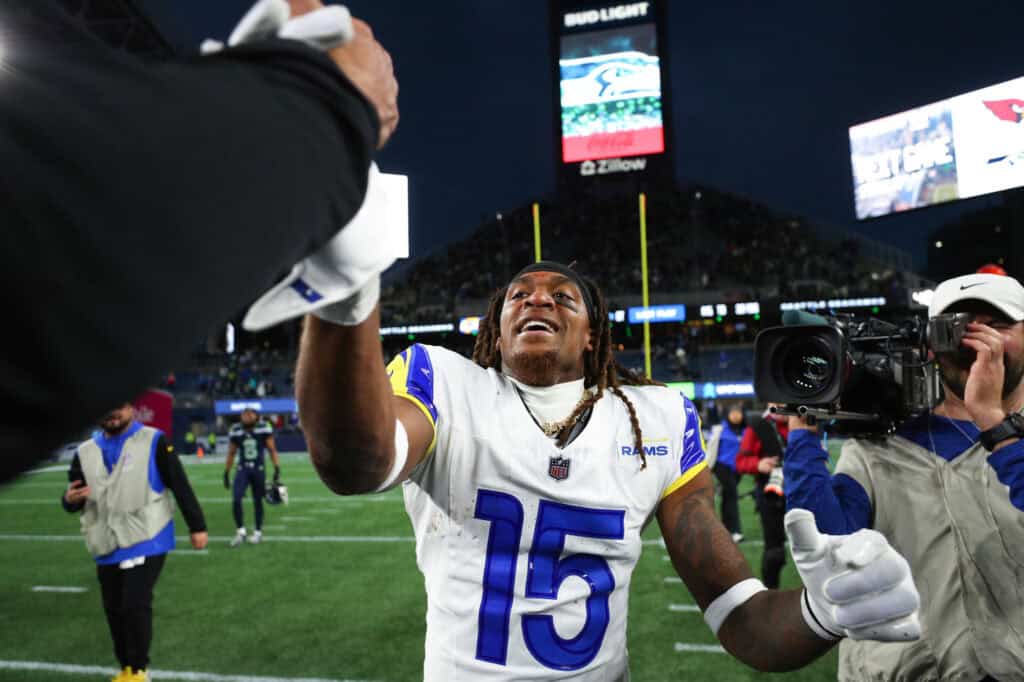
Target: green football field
<point x="332" y="594"/>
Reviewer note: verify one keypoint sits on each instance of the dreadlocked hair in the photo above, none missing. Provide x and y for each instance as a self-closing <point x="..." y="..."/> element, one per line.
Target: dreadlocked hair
<point x="600" y="368"/>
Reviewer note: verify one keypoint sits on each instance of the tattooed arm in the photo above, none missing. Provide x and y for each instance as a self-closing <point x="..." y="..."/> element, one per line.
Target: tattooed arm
<point x="767" y="631"/>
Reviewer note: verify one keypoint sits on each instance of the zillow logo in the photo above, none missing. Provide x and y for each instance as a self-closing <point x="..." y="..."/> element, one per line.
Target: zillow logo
<point x="607" y="166"/>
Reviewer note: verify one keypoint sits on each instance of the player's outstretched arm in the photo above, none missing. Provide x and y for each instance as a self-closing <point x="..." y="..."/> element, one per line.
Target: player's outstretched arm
<point x="855" y="585"/>
<point x="767" y="632"/>
<point x="348" y="410"/>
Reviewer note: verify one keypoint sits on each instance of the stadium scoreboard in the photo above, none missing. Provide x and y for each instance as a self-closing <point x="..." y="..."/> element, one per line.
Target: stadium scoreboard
<point x="957" y="148"/>
<point x="612" y="101"/>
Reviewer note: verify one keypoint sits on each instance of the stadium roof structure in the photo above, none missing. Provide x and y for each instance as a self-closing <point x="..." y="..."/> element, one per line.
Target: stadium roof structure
<point x="120" y="24"/>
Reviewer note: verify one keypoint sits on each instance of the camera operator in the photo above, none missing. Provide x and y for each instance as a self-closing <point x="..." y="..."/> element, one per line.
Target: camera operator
<point x="947" y="490"/>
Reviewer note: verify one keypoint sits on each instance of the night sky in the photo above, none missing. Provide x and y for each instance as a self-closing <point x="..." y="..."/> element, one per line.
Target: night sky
<point x="762" y="92"/>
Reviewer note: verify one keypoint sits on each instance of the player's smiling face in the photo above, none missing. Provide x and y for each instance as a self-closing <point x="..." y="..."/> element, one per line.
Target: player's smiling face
<point x="545" y="329"/>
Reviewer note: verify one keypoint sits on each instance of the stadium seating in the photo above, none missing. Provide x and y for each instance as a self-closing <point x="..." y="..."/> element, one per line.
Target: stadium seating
<point x="698" y="240"/>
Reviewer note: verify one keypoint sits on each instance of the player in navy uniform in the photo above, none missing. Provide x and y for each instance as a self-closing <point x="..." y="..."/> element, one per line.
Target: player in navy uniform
<point x="253" y="437"/>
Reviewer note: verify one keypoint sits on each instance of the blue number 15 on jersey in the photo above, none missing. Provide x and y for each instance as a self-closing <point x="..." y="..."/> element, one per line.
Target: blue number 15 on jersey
<point x="547" y="570"/>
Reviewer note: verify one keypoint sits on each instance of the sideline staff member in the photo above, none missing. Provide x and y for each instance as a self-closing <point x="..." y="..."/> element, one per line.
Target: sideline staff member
<point x="117" y="171"/>
<point x="119" y="481"/>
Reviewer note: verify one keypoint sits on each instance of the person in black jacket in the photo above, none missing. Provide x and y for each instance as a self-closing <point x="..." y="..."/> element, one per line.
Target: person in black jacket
<point x="116" y="171"/>
<point x="119" y="480"/>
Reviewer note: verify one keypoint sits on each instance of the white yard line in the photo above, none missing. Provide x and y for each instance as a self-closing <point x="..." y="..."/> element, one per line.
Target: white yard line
<point x="59" y="588"/>
<point x="675" y="579"/>
<point x="47" y="470"/>
<point x="684" y="608"/>
<point x="155" y="674"/>
<point x="680" y="647"/>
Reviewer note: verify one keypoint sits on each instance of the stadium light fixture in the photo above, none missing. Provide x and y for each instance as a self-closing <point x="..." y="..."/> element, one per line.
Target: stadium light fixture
<point x="938" y="244"/>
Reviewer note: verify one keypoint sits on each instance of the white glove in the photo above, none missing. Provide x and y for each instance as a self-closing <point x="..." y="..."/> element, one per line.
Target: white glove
<point x="855" y="586"/>
<point x="323" y="29"/>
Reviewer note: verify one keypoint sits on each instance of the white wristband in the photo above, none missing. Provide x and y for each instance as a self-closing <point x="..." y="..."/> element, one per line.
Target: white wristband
<point x="812" y="621"/>
<point x="718" y="610"/>
<point x="401" y="457"/>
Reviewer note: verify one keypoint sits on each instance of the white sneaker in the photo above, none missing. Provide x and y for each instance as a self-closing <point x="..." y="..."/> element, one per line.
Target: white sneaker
<point x="238" y="539"/>
<point x="257" y="536"/>
<point x="737" y="538"/>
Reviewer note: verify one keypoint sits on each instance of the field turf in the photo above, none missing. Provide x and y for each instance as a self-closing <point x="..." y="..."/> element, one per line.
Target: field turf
<point x="333" y="593"/>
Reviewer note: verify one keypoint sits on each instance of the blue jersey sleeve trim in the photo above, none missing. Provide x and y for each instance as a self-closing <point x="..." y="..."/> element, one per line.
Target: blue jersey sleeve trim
<point x="412" y="377"/>
<point x="693" y="440"/>
<point x="839" y="503"/>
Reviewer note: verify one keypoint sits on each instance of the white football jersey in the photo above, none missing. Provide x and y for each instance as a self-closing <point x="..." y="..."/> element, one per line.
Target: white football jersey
<point x="527" y="549"/>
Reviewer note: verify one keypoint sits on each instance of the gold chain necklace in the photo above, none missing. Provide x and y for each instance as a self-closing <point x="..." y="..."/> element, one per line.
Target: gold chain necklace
<point x="552" y="429"/>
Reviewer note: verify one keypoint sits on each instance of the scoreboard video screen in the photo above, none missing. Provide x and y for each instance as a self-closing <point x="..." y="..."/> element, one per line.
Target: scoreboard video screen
<point x="957" y="148"/>
<point x="610" y="83"/>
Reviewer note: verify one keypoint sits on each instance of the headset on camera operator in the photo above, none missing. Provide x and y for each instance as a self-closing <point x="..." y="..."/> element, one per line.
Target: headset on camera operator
<point x="947" y="490"/>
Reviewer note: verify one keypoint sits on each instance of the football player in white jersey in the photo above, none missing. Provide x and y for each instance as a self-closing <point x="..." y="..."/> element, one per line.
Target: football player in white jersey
<point x="529" y="474"/>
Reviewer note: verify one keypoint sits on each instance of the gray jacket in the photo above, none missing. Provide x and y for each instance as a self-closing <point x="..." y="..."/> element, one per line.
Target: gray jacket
<point x="954" y="523"/>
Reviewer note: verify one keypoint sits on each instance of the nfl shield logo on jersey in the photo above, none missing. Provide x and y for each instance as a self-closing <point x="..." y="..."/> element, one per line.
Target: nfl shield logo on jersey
<point x="558" y="468"/>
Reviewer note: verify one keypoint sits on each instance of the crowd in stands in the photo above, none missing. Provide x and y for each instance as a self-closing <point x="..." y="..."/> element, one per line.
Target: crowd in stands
<point x="698" y="239"/>
<point x="263" y="373"/>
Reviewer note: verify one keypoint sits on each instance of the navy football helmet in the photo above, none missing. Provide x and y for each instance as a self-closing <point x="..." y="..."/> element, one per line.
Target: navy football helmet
<point x="277" y="494"/>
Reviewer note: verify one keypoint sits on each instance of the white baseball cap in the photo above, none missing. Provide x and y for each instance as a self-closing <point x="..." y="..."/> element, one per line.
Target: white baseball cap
<point x="1005" y="293"/>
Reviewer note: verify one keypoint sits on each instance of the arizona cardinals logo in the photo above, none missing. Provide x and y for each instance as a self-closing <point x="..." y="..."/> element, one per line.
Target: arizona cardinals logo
<point x="1011" y="110"/>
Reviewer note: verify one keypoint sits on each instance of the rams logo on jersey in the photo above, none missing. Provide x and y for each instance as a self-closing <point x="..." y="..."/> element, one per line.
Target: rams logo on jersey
<point x="652" y="448"/>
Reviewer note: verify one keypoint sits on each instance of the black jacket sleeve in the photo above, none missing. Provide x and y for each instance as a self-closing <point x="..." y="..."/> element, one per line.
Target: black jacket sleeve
<point x="174" y="477"/>
<point x="144" y="203"/>
<point x="74" y="474"/>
